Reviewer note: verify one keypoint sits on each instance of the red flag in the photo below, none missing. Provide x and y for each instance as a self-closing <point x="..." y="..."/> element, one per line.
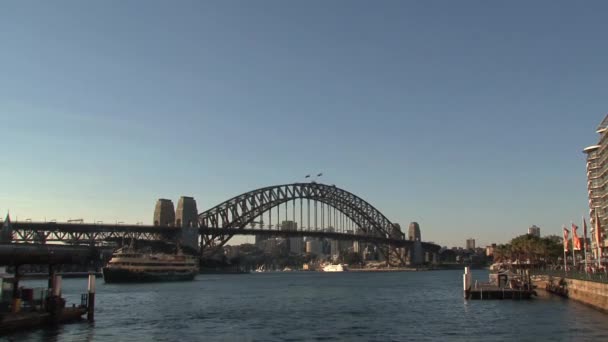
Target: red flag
<point x="576" y="241"/>
<point x="566" y="233"/>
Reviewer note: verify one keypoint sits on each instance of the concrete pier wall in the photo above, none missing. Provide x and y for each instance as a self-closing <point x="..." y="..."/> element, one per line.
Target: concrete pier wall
<point x="591" y="293"/>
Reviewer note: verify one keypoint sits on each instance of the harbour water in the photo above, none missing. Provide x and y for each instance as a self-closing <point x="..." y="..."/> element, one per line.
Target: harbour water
<point x="309" y="306"/>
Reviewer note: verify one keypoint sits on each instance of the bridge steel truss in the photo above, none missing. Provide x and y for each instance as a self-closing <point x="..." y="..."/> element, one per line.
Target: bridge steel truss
<point x="235" y="216"/>
<point x="239" y="212"/>
<point x="86" y="234"/>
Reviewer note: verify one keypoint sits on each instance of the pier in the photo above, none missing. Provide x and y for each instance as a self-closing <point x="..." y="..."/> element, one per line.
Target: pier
<point x="24" y="308"/>
<point x="503" y="285"/>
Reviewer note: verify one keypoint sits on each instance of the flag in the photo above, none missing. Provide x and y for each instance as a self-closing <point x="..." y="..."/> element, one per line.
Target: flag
<point x="576" y="241"/>
<point x="320" y="174"/>
<point x="566" y="233"/>
<point x="307" y="176"/>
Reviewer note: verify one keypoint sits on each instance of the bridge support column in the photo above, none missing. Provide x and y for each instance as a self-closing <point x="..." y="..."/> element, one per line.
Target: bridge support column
<point x="189" y="238"/>
<point x="416" y="254"/>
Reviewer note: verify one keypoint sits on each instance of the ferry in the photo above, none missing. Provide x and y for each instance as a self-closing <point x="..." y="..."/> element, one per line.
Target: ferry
<point x="128" y="265"/>
<point x="335" y="268"/>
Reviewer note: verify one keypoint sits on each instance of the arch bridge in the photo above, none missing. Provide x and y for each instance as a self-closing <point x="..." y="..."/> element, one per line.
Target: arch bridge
<point x="289" y="210"/>
<point x="336" y="213"/>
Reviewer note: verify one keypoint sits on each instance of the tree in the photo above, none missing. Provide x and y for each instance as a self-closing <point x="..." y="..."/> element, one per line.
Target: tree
<point x="526" y="247"/>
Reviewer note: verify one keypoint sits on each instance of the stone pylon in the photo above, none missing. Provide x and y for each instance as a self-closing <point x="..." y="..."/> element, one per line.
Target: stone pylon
<point x="164" y="214"/>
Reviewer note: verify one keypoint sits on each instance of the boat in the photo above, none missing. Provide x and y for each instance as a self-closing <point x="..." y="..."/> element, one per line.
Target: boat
<point x="128" y="265"/>
<point x="260" y="269"/>
<point x="335" y="268"/>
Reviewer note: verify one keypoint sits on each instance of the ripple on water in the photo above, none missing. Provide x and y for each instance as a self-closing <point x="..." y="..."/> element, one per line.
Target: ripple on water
<point x="308" y="306"/>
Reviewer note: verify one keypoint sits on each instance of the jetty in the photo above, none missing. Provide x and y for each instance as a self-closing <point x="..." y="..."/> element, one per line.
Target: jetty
<point x="502" y="285"/>
<point x="23" y="308"/>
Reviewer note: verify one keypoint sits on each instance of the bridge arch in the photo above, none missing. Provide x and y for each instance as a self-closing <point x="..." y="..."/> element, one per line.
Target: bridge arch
<point x="242" y="210"/>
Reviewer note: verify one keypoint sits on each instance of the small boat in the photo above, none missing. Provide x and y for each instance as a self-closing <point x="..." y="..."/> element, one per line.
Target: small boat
<point x="129" y="265"/>
<point x="335" y="268"/>
<point x="260" y="269"/>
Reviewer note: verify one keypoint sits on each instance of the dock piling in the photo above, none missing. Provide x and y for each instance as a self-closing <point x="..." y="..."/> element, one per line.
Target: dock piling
<point x="16" y="302"/>
<point x="466" y="281"/>
<point x="91" y="298"/>
<point x="57" y="286"/>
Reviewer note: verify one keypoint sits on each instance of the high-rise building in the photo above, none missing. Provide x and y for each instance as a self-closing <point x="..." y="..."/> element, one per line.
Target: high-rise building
<point x="471" y="244"/>
<point x="295" y="243"/>
<point x="334" y="250"/>
<point x="186" y="214"/>
<point x="164" y="213"/>
<point x="358" y="246"/>
<point x="597" y="163"/>
<point x="534" y="231"/>
<point x="490" y="250"/>
<point x="313" y="246"/>
<point x="414" y="232"/>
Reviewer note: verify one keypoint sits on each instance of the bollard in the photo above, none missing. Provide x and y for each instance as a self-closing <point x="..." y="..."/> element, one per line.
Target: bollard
<point x="466" y="281"/>
<point x="91" y="298"/>
<point x="57" y="286"/>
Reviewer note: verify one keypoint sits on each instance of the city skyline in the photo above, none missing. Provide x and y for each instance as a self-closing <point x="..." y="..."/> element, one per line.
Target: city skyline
<point x="469" y="119"/>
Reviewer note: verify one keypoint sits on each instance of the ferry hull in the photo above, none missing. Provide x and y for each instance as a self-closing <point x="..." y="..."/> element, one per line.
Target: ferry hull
<point x="111" y="275"/>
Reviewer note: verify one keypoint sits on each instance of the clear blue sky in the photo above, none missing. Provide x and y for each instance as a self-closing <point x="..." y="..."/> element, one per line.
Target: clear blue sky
<point x="466" y="116"/>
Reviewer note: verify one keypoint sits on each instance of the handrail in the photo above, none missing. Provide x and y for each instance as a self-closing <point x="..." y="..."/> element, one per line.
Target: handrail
<point x="598" y="277"/>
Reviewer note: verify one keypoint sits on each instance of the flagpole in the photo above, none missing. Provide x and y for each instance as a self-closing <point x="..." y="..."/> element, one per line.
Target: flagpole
<point x="597" y="236"/>
<point x="565" y="263"/>
<point x="565" y="232"/>
<point x="573" y="248"/>
<point x="585" y="241"/>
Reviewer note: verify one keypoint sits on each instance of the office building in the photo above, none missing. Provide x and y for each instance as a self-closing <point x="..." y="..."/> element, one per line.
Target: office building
<point x="534" y="231"/>
<point x="295" y="243"/>
<point x="414" y="232"/>
<point x="313" y="246"/>
<point x="490" y="250"/>
<point x="471" y="244"/>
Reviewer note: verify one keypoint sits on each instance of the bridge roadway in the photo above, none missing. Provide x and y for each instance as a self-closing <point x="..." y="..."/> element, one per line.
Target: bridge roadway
<point x="90" y="233"/>
<point x="18" y="253"/>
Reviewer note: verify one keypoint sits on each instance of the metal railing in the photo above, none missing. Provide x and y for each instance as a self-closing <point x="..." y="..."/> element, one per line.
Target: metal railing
<point x="599" y="277"/>
<point x="84" y="300"/>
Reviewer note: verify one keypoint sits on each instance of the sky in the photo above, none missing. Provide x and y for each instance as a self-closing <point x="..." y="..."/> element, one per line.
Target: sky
<point x="468" y="117"/>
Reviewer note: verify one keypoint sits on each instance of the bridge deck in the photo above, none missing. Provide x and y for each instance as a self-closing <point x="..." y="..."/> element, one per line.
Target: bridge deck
<point x="88" y="232"/>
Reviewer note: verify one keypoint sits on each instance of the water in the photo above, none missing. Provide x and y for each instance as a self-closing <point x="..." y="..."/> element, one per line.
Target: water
<point x="308" y="306"/>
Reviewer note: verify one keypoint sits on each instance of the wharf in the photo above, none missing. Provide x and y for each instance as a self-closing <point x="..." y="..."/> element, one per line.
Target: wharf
<point x="26" y="320"/>
<point x="495" y="292"/>
<point x="502" y="285"/>
<point x="386" y="269"/>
